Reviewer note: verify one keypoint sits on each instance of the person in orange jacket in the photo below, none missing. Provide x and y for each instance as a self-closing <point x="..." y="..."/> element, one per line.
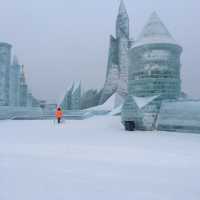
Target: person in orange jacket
<point x="59" y="114"/>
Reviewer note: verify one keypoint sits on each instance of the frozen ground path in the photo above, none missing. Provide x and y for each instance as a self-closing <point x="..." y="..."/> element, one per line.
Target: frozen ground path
<point x="95" y="159"/>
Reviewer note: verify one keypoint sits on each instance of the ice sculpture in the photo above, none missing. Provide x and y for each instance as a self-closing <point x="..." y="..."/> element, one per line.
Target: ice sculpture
<point x="154" y="70"/>
<point x="155" y="63"/>
<point x="117" y="67"/>
<point x="67" y="101"/>
<point x="72" y="99"/>
<point x="14" y="91"/>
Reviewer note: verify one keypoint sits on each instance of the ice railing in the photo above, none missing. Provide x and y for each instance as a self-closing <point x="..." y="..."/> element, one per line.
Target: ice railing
<point x="7" y="112"/>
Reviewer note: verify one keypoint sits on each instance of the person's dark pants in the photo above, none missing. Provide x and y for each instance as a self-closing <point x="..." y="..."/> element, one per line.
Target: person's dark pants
<point x="59" y="120"/>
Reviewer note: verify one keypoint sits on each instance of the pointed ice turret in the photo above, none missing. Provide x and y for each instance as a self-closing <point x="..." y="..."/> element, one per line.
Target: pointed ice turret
<point x="117" y="69"/>
<point x="154" y="32"/>
<point x="122" y="24"/>
<point x="122" y="8"/>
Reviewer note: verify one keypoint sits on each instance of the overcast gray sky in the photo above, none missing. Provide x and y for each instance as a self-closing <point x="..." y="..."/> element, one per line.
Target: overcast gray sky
<point x="59" y="41"/>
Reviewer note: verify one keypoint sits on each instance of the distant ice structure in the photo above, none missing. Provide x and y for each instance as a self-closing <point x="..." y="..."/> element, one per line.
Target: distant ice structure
<point x="72" y="98"/>
<point x="117" y="67"/>
<point x="14" y="91"/>
<point x="90" y="98"/>
<point x="65" y="101"/>
<point x="76" y="97"/>
<point x="15" y="97"/>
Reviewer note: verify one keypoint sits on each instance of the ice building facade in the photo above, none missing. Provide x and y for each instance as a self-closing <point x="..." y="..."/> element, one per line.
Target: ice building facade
<point x="5" y="57"/>
<point x="117" y="66"/>
<point x="14" y="90"/>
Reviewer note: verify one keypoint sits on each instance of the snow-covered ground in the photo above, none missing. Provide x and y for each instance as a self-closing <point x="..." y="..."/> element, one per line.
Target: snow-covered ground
<point x="96" y="159"/>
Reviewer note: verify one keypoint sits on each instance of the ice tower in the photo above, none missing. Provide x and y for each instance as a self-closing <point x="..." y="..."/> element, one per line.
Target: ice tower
<point x="117" y="67"/>
<point x="154" y="74"/>
<point x="155" y="62"/>
<point x="5" y="57"/>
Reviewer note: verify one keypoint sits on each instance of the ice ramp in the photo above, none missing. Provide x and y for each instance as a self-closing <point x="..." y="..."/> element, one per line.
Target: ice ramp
<point x="179" y="116"/>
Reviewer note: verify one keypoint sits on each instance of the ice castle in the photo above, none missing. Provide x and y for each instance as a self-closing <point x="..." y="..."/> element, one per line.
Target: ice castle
<point x="143" y="83"/>
<point x="145" y="76"/>
<point x="117" y="67"/>
<point x="154" y="73"/>
<point x="15" y="96"/>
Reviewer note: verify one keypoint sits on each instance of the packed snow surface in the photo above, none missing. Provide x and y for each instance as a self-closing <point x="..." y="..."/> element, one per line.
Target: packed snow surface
<point x="96" y="159"/>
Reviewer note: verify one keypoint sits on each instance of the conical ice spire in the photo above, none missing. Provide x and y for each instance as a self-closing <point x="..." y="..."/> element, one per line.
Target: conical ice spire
<point x="122" y="23"/>
<point x="155" y="27"/>
<point x="122" y="7"/>
<point x="155" y="32"/>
